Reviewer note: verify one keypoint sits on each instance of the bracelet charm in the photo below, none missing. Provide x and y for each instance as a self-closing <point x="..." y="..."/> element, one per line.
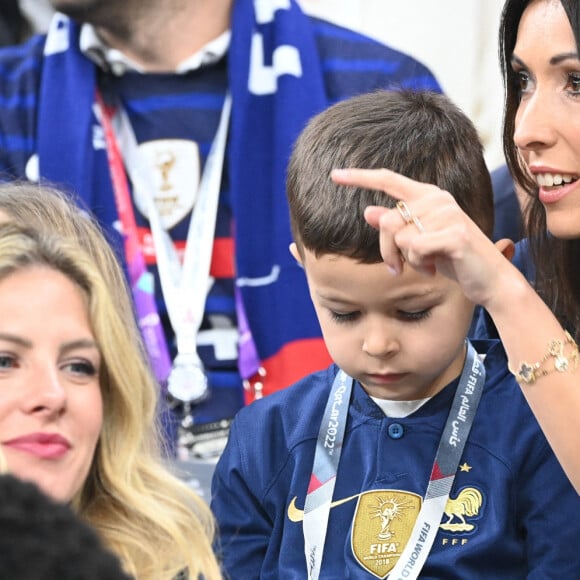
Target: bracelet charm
<point x="528" y="373"/>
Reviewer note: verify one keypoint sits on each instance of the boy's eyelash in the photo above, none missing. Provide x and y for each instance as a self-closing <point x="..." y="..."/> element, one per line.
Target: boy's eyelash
<point x="343" y="318"/>
<point x="417" y="316"/>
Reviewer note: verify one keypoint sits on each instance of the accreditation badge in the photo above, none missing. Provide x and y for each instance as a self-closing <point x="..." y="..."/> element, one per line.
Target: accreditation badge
<point x="383" y="522"/>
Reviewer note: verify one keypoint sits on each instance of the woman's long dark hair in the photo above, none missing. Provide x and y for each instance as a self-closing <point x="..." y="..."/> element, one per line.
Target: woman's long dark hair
<point x="556" y="260"/>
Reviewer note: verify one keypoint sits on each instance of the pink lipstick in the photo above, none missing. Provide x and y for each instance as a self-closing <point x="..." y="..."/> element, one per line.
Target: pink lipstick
<point x="42" y="445"/>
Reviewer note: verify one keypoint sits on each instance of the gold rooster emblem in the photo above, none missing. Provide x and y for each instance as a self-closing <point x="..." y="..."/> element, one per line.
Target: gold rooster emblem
<point x="467" y="503"/>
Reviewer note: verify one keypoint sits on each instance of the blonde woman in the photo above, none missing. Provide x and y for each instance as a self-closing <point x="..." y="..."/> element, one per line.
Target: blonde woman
<point x="118" y="482"/>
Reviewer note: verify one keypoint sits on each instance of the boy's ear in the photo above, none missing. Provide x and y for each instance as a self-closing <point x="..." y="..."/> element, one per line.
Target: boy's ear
<point x="294" y="251"/>
<point x="506" y="247"/>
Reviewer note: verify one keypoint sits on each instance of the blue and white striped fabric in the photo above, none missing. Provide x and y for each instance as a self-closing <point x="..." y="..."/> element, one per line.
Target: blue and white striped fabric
<point x="282" y="67"/>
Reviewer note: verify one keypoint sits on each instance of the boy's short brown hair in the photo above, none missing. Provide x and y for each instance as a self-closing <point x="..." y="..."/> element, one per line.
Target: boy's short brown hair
<point x="422" y="135"/>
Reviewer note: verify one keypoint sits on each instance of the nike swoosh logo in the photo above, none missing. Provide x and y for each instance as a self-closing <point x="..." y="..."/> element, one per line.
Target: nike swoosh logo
<point x="297" y="515"/>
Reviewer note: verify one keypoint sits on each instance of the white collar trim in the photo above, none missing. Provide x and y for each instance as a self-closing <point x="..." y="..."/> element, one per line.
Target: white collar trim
<point x="114" y="60"/>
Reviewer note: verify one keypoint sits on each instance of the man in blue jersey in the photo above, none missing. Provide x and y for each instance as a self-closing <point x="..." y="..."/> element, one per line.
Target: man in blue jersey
<point x="416" y="454"/>
<point x="124" y="103"/>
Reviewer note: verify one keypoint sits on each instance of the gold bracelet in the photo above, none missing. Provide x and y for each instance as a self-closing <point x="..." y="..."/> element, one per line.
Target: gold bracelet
<point x="528" y="373"/>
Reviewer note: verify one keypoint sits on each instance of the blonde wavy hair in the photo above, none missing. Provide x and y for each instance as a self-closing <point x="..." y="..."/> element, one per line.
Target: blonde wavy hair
<point x="153" y="521"/>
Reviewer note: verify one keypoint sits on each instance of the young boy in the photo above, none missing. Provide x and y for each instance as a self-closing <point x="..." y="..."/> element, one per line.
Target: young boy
<point x="414" y="454"/>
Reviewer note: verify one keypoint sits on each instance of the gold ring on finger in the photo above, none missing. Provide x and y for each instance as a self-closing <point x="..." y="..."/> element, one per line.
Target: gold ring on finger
<point x="405" y="212"/>
<point x="418" y="224"/>
<point x="408" y="217"/>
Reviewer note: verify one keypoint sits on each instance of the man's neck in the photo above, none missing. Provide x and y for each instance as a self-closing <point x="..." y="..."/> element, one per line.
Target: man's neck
<point x="161" y="39"/>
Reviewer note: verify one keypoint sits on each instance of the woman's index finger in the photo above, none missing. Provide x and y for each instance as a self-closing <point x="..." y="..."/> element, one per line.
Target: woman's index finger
<point x="392" y="183"/>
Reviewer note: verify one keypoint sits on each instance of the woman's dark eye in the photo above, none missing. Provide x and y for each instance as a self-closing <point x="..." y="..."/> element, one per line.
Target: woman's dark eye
<point x="522" y="82"/>
<point x="574" y="82"/>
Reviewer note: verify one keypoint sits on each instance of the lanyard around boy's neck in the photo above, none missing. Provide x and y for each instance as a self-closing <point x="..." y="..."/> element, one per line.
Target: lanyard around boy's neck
<point x="449" y="451"/>
<point x="184" y="287"/>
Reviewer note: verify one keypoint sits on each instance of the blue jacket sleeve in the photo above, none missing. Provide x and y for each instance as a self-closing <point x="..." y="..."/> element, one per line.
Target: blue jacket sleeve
<point x="546" y="505"/>
<point x="244" y="527"/>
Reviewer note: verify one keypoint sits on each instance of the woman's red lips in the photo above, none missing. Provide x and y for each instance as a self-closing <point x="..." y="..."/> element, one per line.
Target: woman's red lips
<point x="43" y="445"/>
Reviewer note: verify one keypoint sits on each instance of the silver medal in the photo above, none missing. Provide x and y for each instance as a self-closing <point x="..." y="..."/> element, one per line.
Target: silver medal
<point x="187" y="381"/>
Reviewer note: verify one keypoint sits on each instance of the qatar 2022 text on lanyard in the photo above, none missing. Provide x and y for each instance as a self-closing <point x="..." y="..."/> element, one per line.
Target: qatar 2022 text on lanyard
<point x="184" y="286"/>
<point x="449" y="451"/>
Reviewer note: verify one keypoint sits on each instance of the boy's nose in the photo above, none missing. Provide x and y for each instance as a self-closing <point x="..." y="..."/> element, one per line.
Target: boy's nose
<point x="380" y="342"/>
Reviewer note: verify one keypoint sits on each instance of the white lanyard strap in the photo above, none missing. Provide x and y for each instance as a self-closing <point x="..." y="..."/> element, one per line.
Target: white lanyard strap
<point x="327" y="458"/>
<point x="184" y="287"/>
<point x="447" y="459"/>
<point x="324" y="470"/>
